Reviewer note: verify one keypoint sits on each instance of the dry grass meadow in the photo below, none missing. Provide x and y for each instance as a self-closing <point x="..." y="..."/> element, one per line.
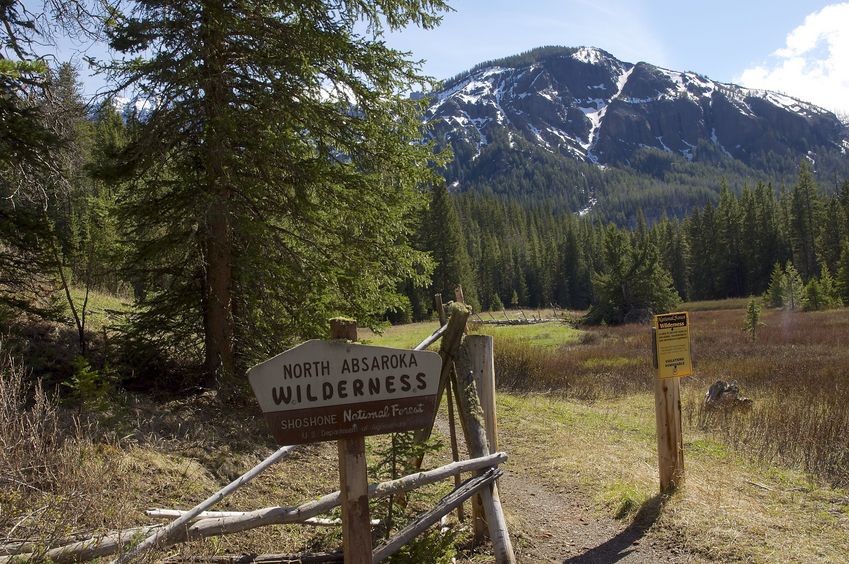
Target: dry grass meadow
<point x="763" y="484"/>
<point x="576" y="411"/>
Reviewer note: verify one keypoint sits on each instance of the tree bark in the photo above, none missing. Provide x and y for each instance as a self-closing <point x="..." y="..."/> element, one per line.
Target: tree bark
<point x="219" y="324"/>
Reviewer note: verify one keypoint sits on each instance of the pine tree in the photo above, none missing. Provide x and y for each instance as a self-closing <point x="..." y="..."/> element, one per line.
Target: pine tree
<point x="804" y="216"/>
<point x="775" y="292"/>
<point x="753" y="318"/>
<point x="730" y="268"/>
<point x="812" y="296"/>
<point x="841" y="283"/>
<point x="831" y="232"/>
<point x="828" y="289"/>
<point x="26" y="145"/>
<point x="633" y="284"/>
<point x="443" y="239"/>
<point x="793" y="288"/>
<point x="276" y="174"/>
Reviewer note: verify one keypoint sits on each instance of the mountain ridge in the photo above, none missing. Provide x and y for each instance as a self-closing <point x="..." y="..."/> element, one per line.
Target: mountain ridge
<point x="585" y="105"/>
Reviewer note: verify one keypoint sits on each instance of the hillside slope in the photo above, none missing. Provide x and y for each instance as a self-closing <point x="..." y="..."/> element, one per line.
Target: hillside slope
<point x="563" y="121"/>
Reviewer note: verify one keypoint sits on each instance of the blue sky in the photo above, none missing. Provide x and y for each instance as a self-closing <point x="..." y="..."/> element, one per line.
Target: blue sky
<point x="800" y="47"/>
<point x="730" y="41"/>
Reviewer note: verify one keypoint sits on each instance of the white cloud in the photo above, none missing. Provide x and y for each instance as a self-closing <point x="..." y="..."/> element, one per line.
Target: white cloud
<point x="814" y="63"/>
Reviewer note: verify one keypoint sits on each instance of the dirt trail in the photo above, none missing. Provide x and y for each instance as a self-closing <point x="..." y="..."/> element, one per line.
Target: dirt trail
<point x="556" y="524"/>
<point x="553" y="523"/>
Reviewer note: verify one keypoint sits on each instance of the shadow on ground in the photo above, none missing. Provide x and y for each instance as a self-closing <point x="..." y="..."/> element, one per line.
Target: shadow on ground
<point x="622" y="544"/>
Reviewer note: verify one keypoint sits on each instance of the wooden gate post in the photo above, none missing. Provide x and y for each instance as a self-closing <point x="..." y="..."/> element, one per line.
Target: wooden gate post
<point x="353" y="477"/>
<point x="452" y="427"/>
<point x="480" y="355"/>
<point x="474" y="427"/>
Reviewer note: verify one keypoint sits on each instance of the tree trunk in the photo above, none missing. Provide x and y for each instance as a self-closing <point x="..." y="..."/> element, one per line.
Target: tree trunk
<point x="219" y="365"/>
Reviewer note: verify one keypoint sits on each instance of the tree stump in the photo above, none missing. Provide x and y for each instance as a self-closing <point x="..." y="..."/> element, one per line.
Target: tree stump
<point x="726" y="395"/>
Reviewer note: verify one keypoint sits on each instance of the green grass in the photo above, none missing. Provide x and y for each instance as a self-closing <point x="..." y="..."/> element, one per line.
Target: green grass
<point x="404" y="336"/>
<point x="545" y="335"/>
<point x="98" y="308"/>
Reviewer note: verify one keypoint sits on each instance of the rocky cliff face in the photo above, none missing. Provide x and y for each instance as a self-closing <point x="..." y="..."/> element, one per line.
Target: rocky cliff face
<point x="586" y="104"/>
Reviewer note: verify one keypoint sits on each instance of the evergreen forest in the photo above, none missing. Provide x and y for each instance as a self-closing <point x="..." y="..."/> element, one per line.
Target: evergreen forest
<point x="258" y="190"/>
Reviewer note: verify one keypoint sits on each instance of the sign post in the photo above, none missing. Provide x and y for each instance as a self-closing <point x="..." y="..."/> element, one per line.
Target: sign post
<point x="672" y="360"/>
<point x="353" y="478"/>
<point x="343" y="391"/>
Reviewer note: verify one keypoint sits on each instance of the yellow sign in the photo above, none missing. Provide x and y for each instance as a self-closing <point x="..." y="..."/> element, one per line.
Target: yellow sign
<point x="672" y="345"/>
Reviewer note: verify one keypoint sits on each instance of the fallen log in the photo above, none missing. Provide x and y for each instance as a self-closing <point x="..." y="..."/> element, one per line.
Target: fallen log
<point x="309" y="558"/>
<point x="174" y="513"/>
<point x="94" y="547"/>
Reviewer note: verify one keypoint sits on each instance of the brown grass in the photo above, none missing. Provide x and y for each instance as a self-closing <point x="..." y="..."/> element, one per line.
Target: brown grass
<point x="61" y="480"/>
<point x="606" y="362"/>
<point x="727" y="510"/>
<point x="796" y="373"/>
<point x="54" y="482"/>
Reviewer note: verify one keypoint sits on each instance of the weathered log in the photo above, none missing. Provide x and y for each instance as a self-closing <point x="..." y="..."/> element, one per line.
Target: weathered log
<point x="452" y="427"/>
<point x="88" y="549"/>
<point x="173" y="513"/>
<point x="471" y="413"/>
<point x="508" y="321"/>
<point x="435" y="336"/>
<point x="447" y="504"/>
<point x="112" y="542"/>
<point x="31" y="548"/>
<point x="451" y="340"/>
<point x="725" y="395"/>
<point x="308" y="558"/>
<point x="163" y="535"/>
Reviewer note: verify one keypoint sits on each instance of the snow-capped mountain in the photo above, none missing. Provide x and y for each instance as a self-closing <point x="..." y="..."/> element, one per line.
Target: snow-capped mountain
<point x="137" y="108"/>
<point x="586" y="104"/>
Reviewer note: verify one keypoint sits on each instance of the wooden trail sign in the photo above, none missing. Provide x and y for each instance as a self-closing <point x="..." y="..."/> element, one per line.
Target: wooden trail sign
<point x="327" y="390"/>
<point x="672" y="360"/>
<point x="672" y="345"/>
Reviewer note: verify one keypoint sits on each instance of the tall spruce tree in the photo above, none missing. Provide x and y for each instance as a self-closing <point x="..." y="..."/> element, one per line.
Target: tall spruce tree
<point x="793" y="288"/>
<point x="841" y="282"/>
<point x="276" y="172"/>
<point x="804" y="216"/>
<point x="633" y="284"/>
<point x="443" y="238"/>
<point x="26" y="143"/>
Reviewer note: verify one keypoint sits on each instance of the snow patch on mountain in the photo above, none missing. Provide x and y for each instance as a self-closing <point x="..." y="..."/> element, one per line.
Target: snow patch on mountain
<point x="589" y="207"/>
<point x="137" y="107"/>
<point x="596" y="116"/>
<point x="589" y="55"/>
<point x="561" y="102"/>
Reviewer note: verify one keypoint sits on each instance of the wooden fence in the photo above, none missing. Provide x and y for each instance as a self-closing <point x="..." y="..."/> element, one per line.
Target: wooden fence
<point x="467" y="366"/>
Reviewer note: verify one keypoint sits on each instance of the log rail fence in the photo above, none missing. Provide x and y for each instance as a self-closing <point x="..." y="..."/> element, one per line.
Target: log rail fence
<point x="470" y="390"/>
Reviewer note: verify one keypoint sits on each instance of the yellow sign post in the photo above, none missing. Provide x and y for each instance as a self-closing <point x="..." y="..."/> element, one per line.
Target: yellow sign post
<point x="672" y="345"/>
<point x="672" y="359"/>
